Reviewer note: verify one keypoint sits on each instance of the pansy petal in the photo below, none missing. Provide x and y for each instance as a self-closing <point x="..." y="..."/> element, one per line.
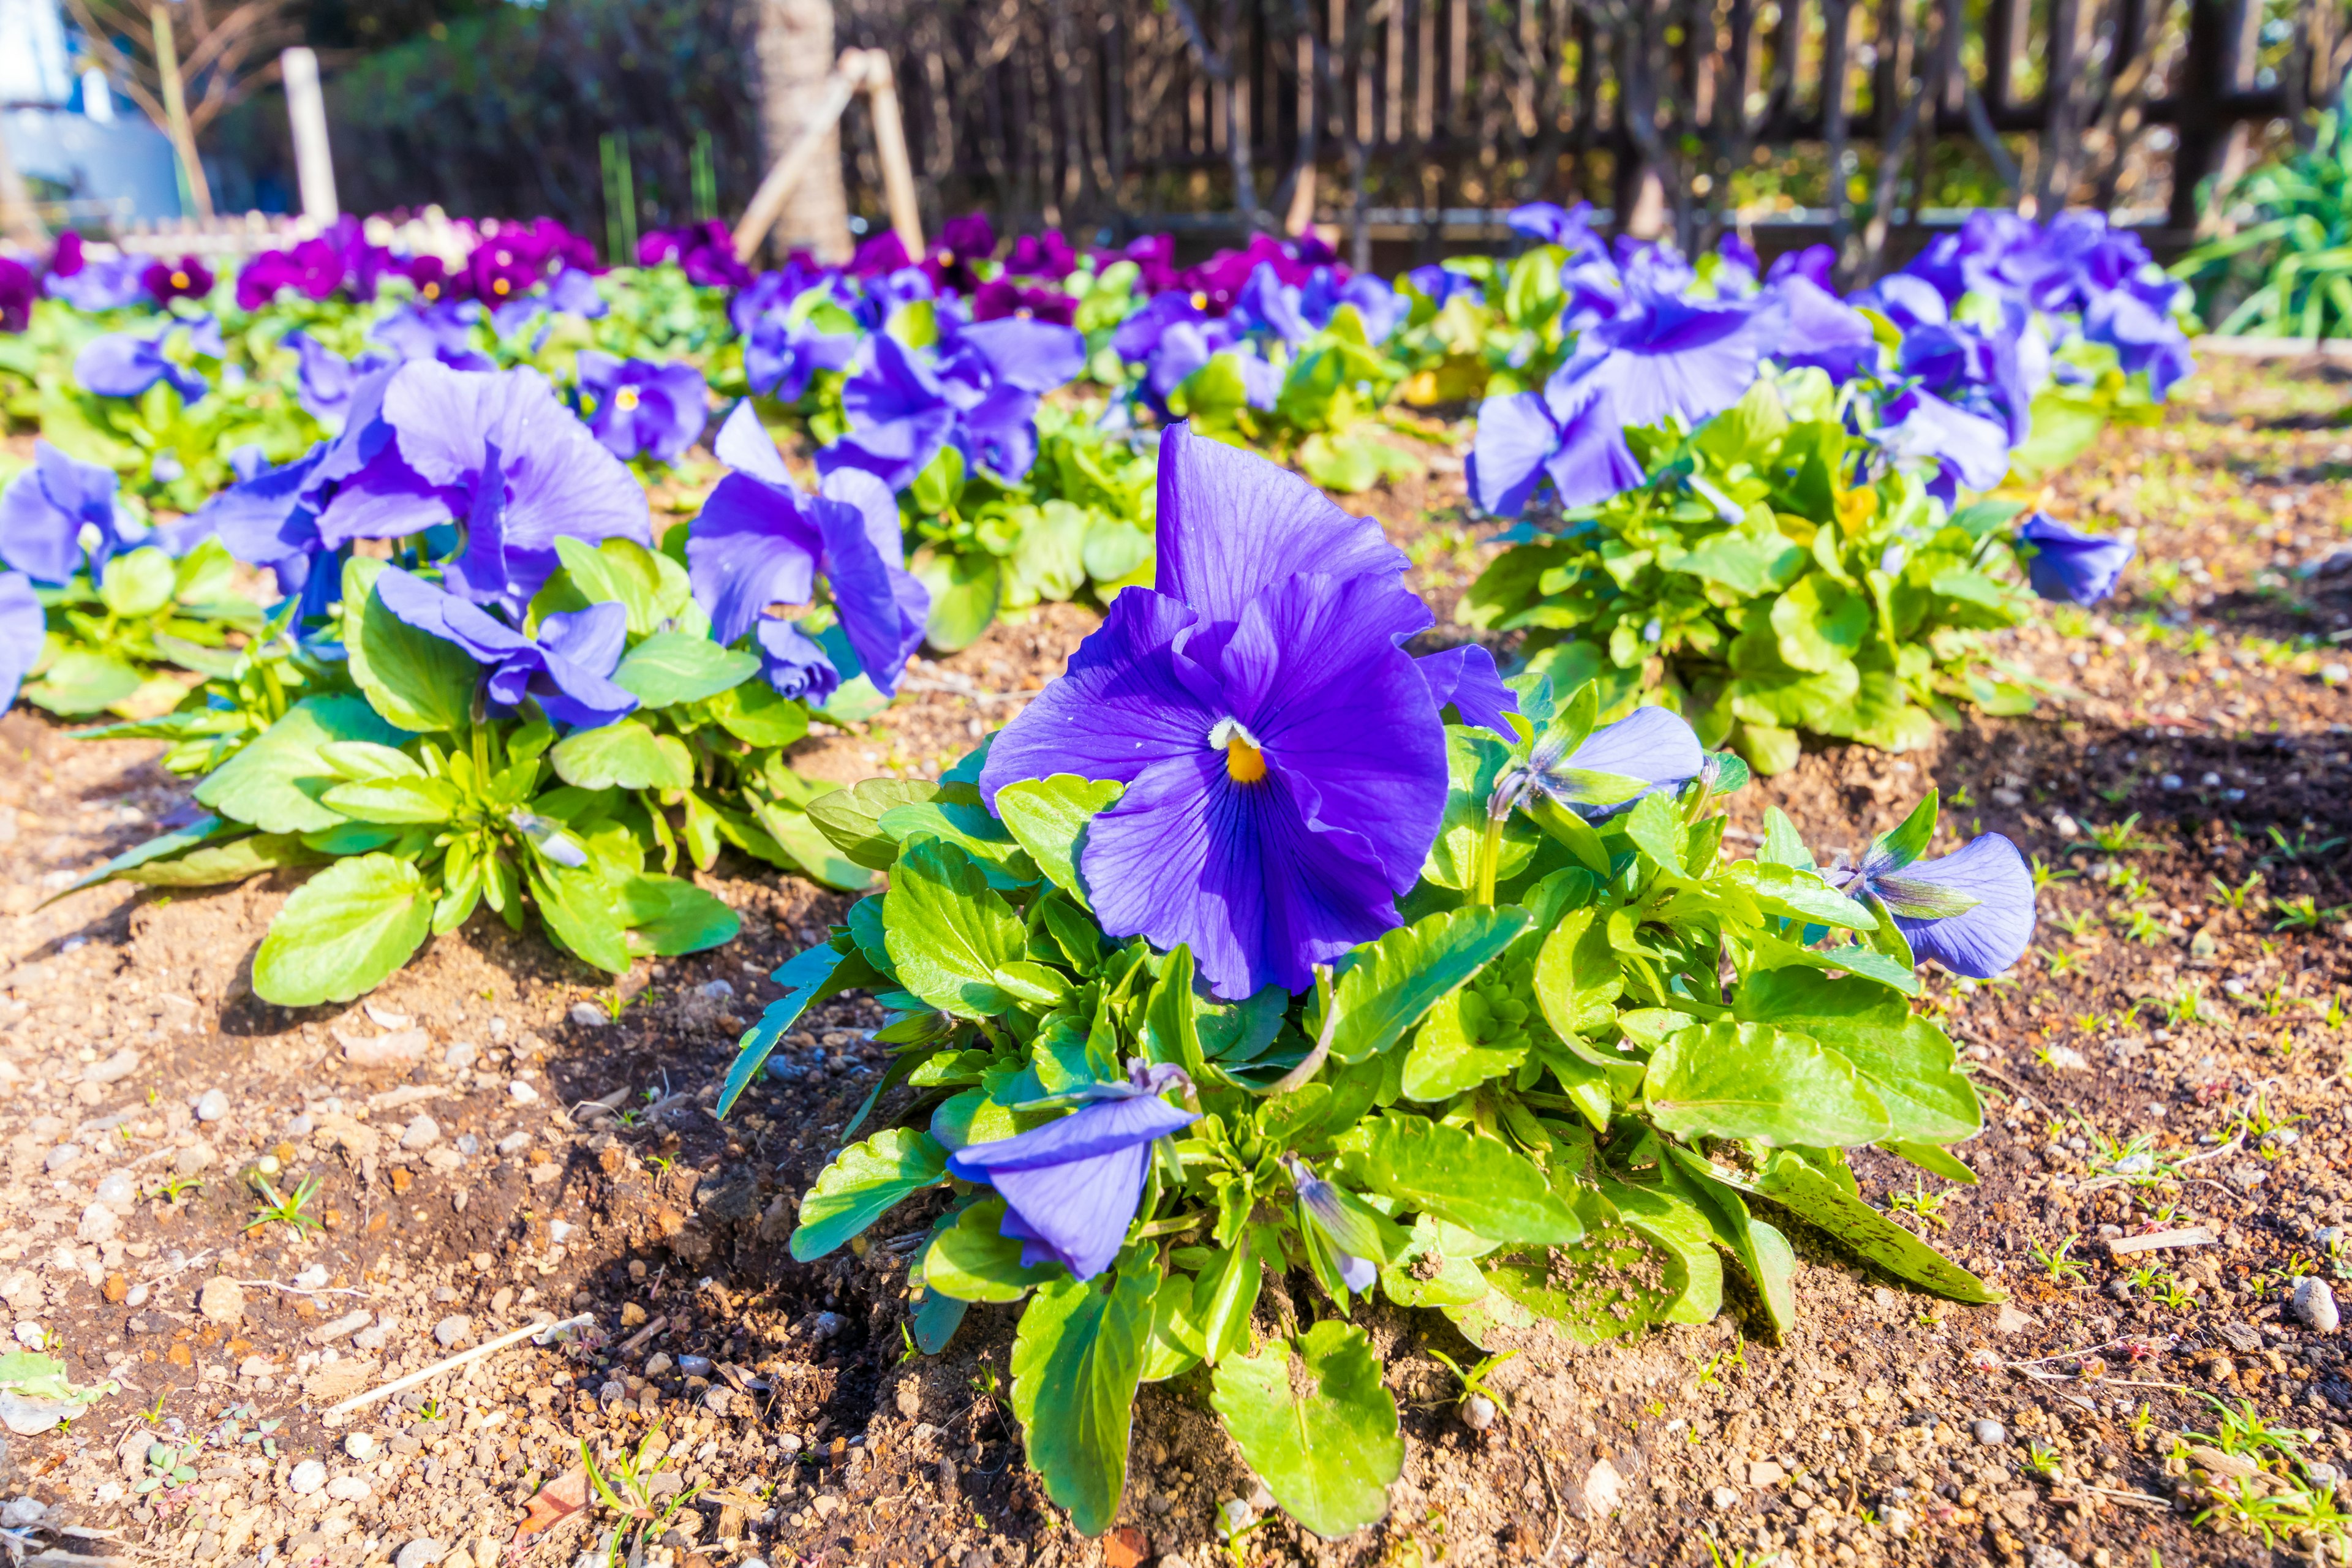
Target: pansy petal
<point x="745" y="446"/>
<point x="1985" y="941"/>
<point x="1464" y="678"/>
<point x="593" y="638"/>
<point x="1100" y="1127"/>
<point x="1078" y="1214"/>
<point x="1515" y="436"/>
<point x="751" y="545"/>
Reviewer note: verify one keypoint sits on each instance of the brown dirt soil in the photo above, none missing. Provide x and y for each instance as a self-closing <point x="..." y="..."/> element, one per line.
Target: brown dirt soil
<point x="2167" y="1057"/>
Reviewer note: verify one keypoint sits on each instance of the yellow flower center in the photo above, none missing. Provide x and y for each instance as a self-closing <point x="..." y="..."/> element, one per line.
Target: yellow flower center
<point x="432" y="290"/>
<point x="179" y="280"/>
<point x="625" y="399"/>
<point x="1244" y="759"/>
<point x="1200" y="301"/>
<point x="500" y="286"/>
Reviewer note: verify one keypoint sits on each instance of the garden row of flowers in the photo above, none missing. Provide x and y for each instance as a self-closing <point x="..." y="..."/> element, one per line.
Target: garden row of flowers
<point x="1257" y="946"/>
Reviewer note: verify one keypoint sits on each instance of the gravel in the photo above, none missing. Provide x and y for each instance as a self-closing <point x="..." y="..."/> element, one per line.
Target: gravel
<point x="2314" y="1304"/>
<point x="1991" y="1433"/>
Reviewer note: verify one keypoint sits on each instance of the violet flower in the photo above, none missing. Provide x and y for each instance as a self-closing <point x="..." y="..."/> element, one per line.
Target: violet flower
<point x="1971" y="910"/>
<point x="1338" y="1220"/>
<point x="323" y="379"/>
<point x="124" y="365"/>
<point x="442" y="332"/>
<point x="2071" y="567"/>
<point x="1823" y="331"/>
<point x="1283" y="764"/>
<point x="55" y="513"/>
<point x="977" y="392"/>
<point x="24" y="629"/>
<point x="880" y="255"/>
<point x="1465" y="678"/>
<point x="270" y="517"/>
<point x="2136" y="320"/>
<point x="1071" y="1187"/>
<point x="795" y="663"/>
<point x="432" y="279"/>
<point x="18" y="289"/>
<point x="705" y="252"/>
<point x="97" y="284"/>
<point x="962" y="241"/>
<point x="186" y="279"/>
<point x="760" y="540"/>
<point x="1568" y="433"/>
<point x="495" y="451"/>
<point x="783" y="345"/>
<point x="1649" y="751"/>
<point x="643" y="409"/>
<point x="1001" y="297"/>
<point x="1548" y="223"/>
<point x="565" y="670"/>
<point x="1439" y="284"/>
<point x="1046" y="255"/>
<point x="1969" y="448"/>
<point x="316" y="267"/>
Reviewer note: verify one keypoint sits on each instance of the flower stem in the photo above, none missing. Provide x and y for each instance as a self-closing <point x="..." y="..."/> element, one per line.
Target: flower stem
<point x="1490" y="855"/>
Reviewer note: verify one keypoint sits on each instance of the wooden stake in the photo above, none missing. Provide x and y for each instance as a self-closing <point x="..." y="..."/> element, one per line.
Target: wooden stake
<point x="857" y="70"/>
<point x="768" y="201"/>
<point x="175" y="112"/>
<point x="890" y="148"/>
<point x="306" y="108"/>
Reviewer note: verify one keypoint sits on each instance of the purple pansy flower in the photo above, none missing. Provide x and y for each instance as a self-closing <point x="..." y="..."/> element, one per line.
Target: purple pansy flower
<point x="24" y="628"/>
<point x="795" y="663"/>
<point x="962" y="241"/>
<point x="783" y="346"/>
<point x="878" y="255"/>
<point x="268" y="518"/>
<point x="124" y="365"/>
<point x="979" y="392"/>
<point x="1283" y="764"/>
<point x="1971" y="910"/>
<point x="95" y="284"/>
<point x="643" y="409"/>
<point x="705" y="251"/>
<point x="565" y="670"/>
<point x="2136" y="320"/>
<point x="442" y="332"/>
<point x="18" y="289"/>
<point x="1439" y="284"/>
<point x="760" y="540"/>
<point x="323" y="379"/>
<point x="1822" y="329"/>
<point x="1969" y="448"/>
<point x="496" y="450"/>
<point x="1568" y="433"/>
<point x="1001" y="297"/>
<point x="1046" y="255"/>
<point x="1649" y="751"/>
<point x="49" y="508"/>
<point x="432" y="279"/>
<point x="2071" y="567"/>
<point x="1071" y="1186"/>
<point x="1465" y="678"/>
<point x="1548" y="223"/>
<point x="186" y="279"/>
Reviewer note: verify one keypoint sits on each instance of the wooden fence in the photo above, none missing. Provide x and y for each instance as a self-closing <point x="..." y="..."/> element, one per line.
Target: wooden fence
<point x="1685" y="116"/>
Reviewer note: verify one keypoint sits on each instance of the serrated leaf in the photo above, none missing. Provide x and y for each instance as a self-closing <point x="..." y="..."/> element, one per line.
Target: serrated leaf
<point x="342" y="932"/>
<point x="1048" y="816"/>
<point x="1766" y="1085"/>
<point x="1329" y="1454"/>
<point x="1392" y="983"/>
<point x="1077" y="1360"/>
<point x="864" y="1182"/>
<point x="948" y="933"/>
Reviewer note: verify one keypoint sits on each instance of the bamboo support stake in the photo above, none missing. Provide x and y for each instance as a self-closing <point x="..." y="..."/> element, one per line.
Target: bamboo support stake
<point x="768" y="201"/>
<point x="175" y="112"/>
<point x="890" y="148"/>
<point x="542" y="1332"/>
<point x="857" y="70"/>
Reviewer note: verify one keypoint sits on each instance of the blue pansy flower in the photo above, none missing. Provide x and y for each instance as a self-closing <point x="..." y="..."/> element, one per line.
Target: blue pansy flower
<point x="57" y="513"/>
<point x="1971" y="910"/>
<point x="565" y="670"/>
<point x="2071" y="567"/>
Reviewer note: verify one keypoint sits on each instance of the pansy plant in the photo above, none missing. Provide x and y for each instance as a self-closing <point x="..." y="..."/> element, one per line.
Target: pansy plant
<point x="1233" y="958"/>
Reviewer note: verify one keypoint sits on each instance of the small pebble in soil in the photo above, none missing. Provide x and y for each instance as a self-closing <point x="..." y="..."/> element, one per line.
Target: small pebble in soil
<point x="212" y="1106"/>
<point x="1724" y="1498"/>
<point x="1991" y="1433"/>
<point x="2314" y="1304"/>
<point x="589" y="1015"/>
<point x="350" y="1489"/>
<point x="361" y="1446"/>
<point x="422" y="1553"/>
<point x="420" y="1133"/>
<point x="453" y="1332"/>
<point x="717" y="990"/>
<point x="523" y="1093"/>
<point x="1478" y="1413"/>
<point x="308" y="1476"/>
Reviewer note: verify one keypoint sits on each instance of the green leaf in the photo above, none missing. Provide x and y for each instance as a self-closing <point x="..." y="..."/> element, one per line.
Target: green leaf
<point x="1934" y="1160"/>
<point x="1459" y="1045"/>
<point x="758" y="715"/>
<point x="582" y="911"/>
<point x="262" y="784"/>
<point x="667" y="916"/>
<point x="79" y="681"/>
<point x="1753" y="1081"/>
<point x="1329" y="1453"/>
<point x="1474" y="761"/>
<point x="1799" y="894"/>
<point x="1676" y="1223"/>
<point x="1578" y="976"/>
<point x="1048" y="816"/>
<point x="807" y="977"/>
<point x="234" y="861"/>
<point x="973" y="1260"/>
<point x="670" y="667"/>
<point x="1477" y="1182"/>
<point x="1819" y="1200"/>
<point x="1614" y="1281"/>
<point x="137" y="584"/>
<point x="851" y="817"/>
<point x="342" y="932"/>
<point x="1077" y="1360"/>
<point x="795" y="835"/>
<point x="864" y="1182"/>
<point x="1655" y="827"/>
<point x="948" y="933"/>
<point x="177" y="841"/>
<point x="1851" y="958"/>
<point x="1909" y="838"/>
<point x="1393" y="981"/>
<point x="399" y="802"/>
<point x="1906" y="1060"/>
<point x="1820" y="623"/>
<point x="1761" y="1249"/>
<point x="964" y="591"/>
<point x="415" y="679"/>
<point x="625" y="755"/>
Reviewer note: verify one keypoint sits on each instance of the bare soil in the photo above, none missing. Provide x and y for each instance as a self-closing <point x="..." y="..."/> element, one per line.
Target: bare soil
<point x="2171" y="1057"/>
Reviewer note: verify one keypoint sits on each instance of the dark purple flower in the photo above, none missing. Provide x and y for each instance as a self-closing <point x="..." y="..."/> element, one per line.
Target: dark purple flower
<point x="795" y="663"/>
<point x="2071" y="567"/>
<point x="494" y="450"/>
<point x="565" y="670"/>
<point x="1283" y="762"/>
<point x="1071" y="1186"/>
<point x="880" y="255"/>
<point x="1154" y="256"/>
<point x="1568" y="433"/>
<point x="1046" y="255"/>
<point x="24" y="628"/>
<point x="18" y="289"/>
<point x="505" y="265"/>
<point x="124" y="364"/>
<point x="980" y="393"/>
<point x="1001" y="297"/>
<point x="643" y="409"/>
<point x="962" y="241"/>
<point x="109" y="284"/>
<point x="45" y="510"/>
<point x="186" y="279"/>
<point x="315" y="267"/>
<point x="760" y="540"/>
<point x="1971" y="910"/>
<point x="705" y="251"/>
<point x="432" y="279"/>
<point x="69" y="255"/>
<point x="1465" y="678"/>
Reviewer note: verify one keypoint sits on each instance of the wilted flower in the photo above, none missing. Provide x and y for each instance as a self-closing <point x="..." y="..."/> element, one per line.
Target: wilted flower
<point x="643" y="409"/>
<point x="56" y="513"/>
<point x="1358" y="1238"/>
<point x="186" y="279"/>
<point x="565" y="670"/>
<point x="494" y="450"/>
<point x="1071" y="1187"/>
<point x="1283" y="764"/>
<point x="2072" y="567"/>
<point x="760" y="540"/>
<point x="23" y="630"/>
<point x="1971" y="910"/>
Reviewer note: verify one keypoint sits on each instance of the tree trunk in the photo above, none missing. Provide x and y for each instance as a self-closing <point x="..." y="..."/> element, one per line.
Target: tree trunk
<point x="793" y="55"/>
